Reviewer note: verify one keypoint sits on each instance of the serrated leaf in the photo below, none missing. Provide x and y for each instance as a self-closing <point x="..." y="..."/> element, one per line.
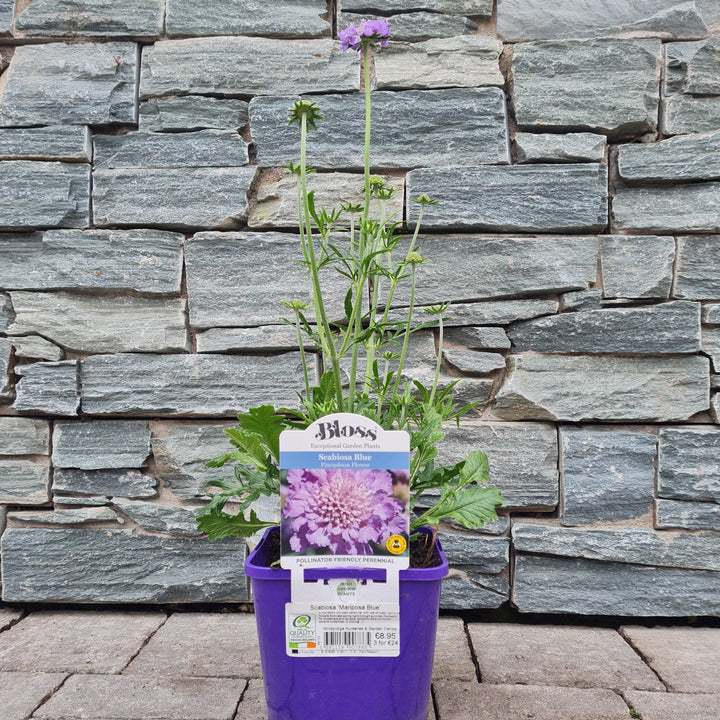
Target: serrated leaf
<point x="220" y="525"/>
<point x="475" y="469"/>
<point x="471" y="507"/>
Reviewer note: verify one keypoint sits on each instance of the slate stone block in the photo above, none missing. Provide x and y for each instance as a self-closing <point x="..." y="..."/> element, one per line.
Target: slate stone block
<point x="480" y="8"/>
<point x="180" y="198"/>
<point x="576" y="300"/>
<point x="67" y="516"/>
<point x="637" y="267"/>
<point x="6" y="17"/>
<point x="141" y="19"/>
<point x="33" y="346"/>
<point x="689" y="114"/>
<point x="676" y="514"/>
<point x="24" y="436"/>
<point x="606" y="475"/>
<point x="399" y="119"/>
<point x="5" y="350"/>
<point x="461" y="61"/>
<point x="289" y="18"/>
<point x="86" y="324"/>
<point x="192" y="112"/>
<point x="242" y="66"/>
<point x="178" y="520"/>
<point x="106" y="483"/>
<point x="522" y="458"/>
<point x="478" y="338"/>
<point x="703" y="71"/>
<point x="44" y="194"/>
<point x="268" y="338"/>
<point x="101" y="444"/>
<point x="689" y="463"/>
<point x="6" y="310"/>
<point x="524" y="198"/>
<point x="551" y="148"/>
<point x="667" y="209"/>
<point x="668" y="328"/>
<point x="562" y="86"/>
<point x="633" y="545"/>
<point x="24" y="482"/>
<point x="697" y="271"/>
<point x="541" y="584"/>
<point x="275" y="203"/>
<point x="711" y="346"/>
<point x="48" y="387"/>
<point x="604" y="388"/>
<point x="203" y="148"/>
<point x="472" y="591"/>
<point x="68" y="143"/>
<point x="70" y="84"/>
<point x="83" y="565"/>
<point x="711" y="313"/>
<point x="188" y="385"/>
<point x="682" y="158"/>
<point x="536" y="20"/>
<point x="473" y="362"/>
<point x="146" y="261"/>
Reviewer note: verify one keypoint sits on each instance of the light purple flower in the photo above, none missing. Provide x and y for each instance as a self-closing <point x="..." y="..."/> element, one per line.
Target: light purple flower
<point x="341" y="510"/>
<point x="369" y="33"/>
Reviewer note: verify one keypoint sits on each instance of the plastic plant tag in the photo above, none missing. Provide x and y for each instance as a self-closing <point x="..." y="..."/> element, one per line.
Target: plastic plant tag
<point x="344" y="535"/>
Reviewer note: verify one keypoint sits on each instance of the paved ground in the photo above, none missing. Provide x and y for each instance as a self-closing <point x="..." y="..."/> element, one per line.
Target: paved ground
<point x="111" y="665"/>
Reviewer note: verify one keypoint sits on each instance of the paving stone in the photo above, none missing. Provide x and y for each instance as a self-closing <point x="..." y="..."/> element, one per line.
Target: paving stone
<point x="291" y="18"/>
<point x="176" y="520"/>
<point x="668" y="328"/>
<point x="536" y="20"/>
<point x="558" y="655"/>
<point x="558" y="86"/>
<point x="108" y="483"/>
<point x="639" y="546"/>
<point x="181" y="456"/>
<point x="24" y="436"/>
<point x="44" y="194"/>
<point x="672" y="706"/>
<point x="589" y="587"/>
<point x="478" y="338"/>
<point x="147" y="261"/>
<point x="637" y="267"/>
<point x="24" y="482"/>
<point x="480" y="129"/>
<point x="452" y="660"/>
<point x="697" y="273"/>
<point x="461" y="61"/>
<point x="480" y="8"/>
<point x="252" y="706"/>
<point x="72" y="516"/>
<point x="192" y="112"/>
<point x="276" y="200"/>
<point x="70" y="84"/>
<point x="607" y="475"/>
<point x="215" y="260"/>
<point x="485" y="701"/>
<point x="522" y="458"/>
<point x="268" y="338"/>
<point x="209" y="66"/>
<point x="202" y="148"/>
<point x="48" y="387"/>
<point x="5" y="349"/>
<point x="35" y="347"/>
<point x="126" y="698"/>
<point x="101" y="444"/>
<point x="686" y="659"/>
<point x="682" y="158"/>
<point x="201" y="645"/>
<point x="524" y="198"/>
<point x="197" y="385"/>
<point x="68" y="143"/>
<point x="474" y="362"/>
<point x="86" y="18"/>
<point x="416" y="26"/>
<point x="84" y="565"/>
<point x="605" y="388"/>
<point x="86" y="324"/>
<point x="674" y="514"/>
<point x="76" y="640"/>
<point x="178" y="198"/>
<point x="688" y="463"/>
<point x="22" y="692"/>
<point x="549" y="147"/>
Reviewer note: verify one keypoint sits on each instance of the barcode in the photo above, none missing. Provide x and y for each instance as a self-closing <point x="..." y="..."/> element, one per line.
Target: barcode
<point x="347" y="638"/>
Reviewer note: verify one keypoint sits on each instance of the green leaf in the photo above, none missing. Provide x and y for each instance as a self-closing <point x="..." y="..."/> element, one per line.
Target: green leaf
<point x="475" y="469"/>
<point x="265" y="424"/>
<point x="220" y="525"/>
<point x="471" y="507"/>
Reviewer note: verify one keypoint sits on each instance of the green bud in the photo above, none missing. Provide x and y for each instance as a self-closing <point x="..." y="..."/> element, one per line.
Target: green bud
<point x="415" y="258"/>
<point x="425" y="200"/>
<point x="307" y="109"/>
<point x="437" y="309"/>
<point x="295" y="305"/>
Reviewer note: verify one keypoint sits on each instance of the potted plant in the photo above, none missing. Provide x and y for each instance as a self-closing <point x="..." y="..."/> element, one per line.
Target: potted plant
<point x="362" y="358"/>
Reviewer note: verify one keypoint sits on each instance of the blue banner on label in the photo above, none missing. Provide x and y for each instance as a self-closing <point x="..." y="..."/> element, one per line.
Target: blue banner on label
<point x="344" y="459"/>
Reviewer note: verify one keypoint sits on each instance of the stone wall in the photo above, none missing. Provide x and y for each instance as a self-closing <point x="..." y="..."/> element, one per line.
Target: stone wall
<point x="148" y="236"/>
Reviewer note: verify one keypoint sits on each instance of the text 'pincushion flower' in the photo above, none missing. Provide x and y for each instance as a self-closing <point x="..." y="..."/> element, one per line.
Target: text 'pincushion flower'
<point x="343" y="510"/>
<point x="369" y="32"/>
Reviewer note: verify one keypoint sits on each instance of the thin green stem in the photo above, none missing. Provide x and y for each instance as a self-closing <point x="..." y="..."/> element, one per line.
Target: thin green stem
<point x="439" y="358"/>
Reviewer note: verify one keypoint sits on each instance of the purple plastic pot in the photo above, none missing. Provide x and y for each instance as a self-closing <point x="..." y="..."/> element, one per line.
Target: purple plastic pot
<point x="347" y="688"/>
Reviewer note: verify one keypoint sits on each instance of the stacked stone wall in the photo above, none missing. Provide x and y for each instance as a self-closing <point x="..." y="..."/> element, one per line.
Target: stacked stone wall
<point x="147" y="237"/>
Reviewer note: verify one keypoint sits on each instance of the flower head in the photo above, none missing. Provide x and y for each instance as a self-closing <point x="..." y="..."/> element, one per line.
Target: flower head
<point x="341" y="510"/>
<point x="367" y="34"/>
<point x="304" y="109"/>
